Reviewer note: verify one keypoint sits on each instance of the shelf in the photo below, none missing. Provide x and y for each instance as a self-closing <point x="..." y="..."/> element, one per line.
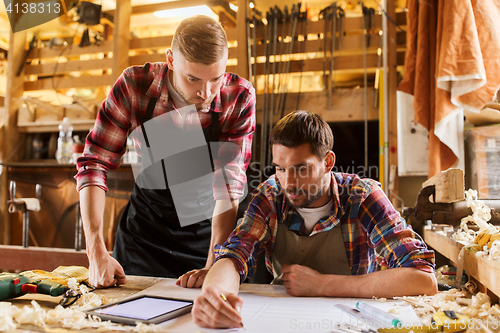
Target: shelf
<point x="53" y="126"/>
<point x="482" y="269"/>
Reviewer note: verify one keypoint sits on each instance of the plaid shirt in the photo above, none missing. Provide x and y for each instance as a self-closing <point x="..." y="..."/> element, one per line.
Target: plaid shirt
<point x="372" y="230"/>
<point x="123" y="110"/>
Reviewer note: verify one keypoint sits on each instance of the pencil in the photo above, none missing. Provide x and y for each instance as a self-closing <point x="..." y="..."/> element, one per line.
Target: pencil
<point x="225" y="300"/>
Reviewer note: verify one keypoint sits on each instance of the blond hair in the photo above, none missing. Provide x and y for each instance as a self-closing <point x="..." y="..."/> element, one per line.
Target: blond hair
<point x="200" y="39"/>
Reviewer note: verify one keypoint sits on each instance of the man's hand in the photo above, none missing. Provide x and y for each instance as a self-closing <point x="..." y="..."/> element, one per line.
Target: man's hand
<point x="105" y="272"/>
<point x="302" y="281"/>
<point x="211" y="311"/>
<point x="192" y="279"/>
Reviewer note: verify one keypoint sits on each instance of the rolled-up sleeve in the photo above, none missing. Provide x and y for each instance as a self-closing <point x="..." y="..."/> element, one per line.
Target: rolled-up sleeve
<point x="235" y="151"/>
<point x="394" y="242"/>
<point x="106" y="142"/>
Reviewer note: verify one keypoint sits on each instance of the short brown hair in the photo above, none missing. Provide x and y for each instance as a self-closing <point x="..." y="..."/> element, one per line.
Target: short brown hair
<point x="200" y="39"/>
<point x="301" y="127"/>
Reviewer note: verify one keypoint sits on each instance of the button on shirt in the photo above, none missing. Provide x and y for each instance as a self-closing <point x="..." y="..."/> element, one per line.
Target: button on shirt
<point x="126" y="105"/>
<point x="372" y="230"/>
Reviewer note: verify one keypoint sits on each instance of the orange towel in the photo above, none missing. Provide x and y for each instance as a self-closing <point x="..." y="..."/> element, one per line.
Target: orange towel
<point x="456" y="68"/>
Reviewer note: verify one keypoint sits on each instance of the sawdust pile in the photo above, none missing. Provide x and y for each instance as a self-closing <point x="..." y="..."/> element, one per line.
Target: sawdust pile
<point x="477" y="307"/>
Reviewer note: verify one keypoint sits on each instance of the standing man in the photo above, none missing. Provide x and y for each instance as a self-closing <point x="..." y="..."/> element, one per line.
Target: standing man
<point x="324" y="233"/>
<point x="191" y="92"/>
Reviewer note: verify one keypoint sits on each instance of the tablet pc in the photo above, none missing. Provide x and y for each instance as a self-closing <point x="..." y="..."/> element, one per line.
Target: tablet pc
<point x="144" y="308"/>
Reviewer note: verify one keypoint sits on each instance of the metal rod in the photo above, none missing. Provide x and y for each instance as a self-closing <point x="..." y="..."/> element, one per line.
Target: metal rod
<point x="78" y="228"/>
<point x="271" y="109"/>
<point x="26" y="227"/>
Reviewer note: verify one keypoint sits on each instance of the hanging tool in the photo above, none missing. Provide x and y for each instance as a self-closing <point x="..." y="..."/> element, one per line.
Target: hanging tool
<point x="341" y="16"/>
<point x="263" y="127"/>
<point x="294" y="17"/>
<point x="332" y="53"/>
<point x="31" y="48"/>
<point x="303" y="53"/>
<point x="273" y="85"/>
<point x="325" y="15"/>
<point x="280" y="68"/>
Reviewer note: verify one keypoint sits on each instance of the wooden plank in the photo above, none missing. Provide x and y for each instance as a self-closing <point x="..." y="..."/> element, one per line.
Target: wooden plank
<point x="70" y="82"/>
<point x="150" y="43"/>
<point x="482" y="269"/>
<point x="70" y="66"/>
<point x="44" y="258"/>
<point x="449" y="185"/>
<point x="72" y="50"/>
<point x="242" y="50"/>
<point x="442" y="244"/>
<point x="52" y="126"/>
<point x="347" y="105"/>
<point x="10" y="135"/>
<point x="144" y="58"/>
<point x="143" y="9"/>
<point x="121" y="37"/>
<point x="486" y="271"/>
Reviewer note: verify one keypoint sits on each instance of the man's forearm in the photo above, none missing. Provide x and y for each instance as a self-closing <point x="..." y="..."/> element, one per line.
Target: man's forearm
<point x="223" y="275"/>
<point x="92" y="204"/>
<point x="385" y="283"/>
<point x="223" y="223"/>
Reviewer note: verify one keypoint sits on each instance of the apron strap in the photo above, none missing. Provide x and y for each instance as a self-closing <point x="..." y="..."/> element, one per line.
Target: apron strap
<point x="147" y="116"/>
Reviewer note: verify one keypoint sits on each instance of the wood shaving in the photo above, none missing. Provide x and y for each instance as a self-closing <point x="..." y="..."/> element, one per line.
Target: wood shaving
<point x="395" y="310"/>
<point x="380" y="299"/>
<point x="476" y="307"/>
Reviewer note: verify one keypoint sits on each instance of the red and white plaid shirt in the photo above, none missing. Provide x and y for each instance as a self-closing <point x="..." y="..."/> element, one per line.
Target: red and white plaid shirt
<point x="123" y="110"/>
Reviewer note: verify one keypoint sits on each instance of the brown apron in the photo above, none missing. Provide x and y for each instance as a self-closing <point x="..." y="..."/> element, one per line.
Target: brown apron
<point x="323" y="252"/>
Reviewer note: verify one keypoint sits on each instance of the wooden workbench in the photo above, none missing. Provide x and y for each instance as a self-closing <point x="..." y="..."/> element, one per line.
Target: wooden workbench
<point x="483" y="270"/>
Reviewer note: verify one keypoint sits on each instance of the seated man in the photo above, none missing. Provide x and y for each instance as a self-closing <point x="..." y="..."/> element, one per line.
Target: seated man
<point x="324" y="233"/>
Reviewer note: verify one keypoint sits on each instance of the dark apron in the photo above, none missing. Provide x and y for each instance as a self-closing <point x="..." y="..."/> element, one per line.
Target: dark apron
<point x="151" y="240"/>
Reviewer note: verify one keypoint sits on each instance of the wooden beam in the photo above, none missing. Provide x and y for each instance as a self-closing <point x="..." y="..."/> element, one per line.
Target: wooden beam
<point x="121" y="37"/>
<point x="347" y="105"/>
<point x="10" y="136"/>
<point x="241" y="23"/>
<point x="449" y="185"/>
<point x="72" y="50"/>
<point x="150" y="43"/>
<point x="70" y="82"/>
<point x="44" y="258"/>
<point x="70" y="66"/>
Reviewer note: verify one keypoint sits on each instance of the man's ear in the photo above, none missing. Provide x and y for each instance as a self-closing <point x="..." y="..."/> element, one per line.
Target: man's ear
<point x="329" y="161"/>
<point x="170" y="59"/>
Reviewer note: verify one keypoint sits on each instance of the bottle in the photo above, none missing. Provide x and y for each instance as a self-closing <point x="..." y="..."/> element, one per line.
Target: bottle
<point x="65" y="142"/>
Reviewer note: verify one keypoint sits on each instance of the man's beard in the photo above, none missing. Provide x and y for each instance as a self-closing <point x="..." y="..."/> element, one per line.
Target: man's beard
<point x="309" y="199"/>
<point x="199" y="107"/>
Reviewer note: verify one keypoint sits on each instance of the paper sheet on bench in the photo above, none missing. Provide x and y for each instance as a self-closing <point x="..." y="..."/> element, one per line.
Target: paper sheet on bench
<point x="268" y="308"/>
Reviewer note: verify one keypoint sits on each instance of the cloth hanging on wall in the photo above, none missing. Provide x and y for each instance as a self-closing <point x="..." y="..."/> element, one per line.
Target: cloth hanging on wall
<point x="451" y="67"/>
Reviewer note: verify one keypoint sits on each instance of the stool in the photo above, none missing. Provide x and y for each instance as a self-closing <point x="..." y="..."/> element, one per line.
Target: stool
<point x="24" y="206"/>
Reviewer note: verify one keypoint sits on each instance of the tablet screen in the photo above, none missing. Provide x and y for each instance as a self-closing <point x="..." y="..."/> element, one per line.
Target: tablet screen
<point x="144" y="308"/>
